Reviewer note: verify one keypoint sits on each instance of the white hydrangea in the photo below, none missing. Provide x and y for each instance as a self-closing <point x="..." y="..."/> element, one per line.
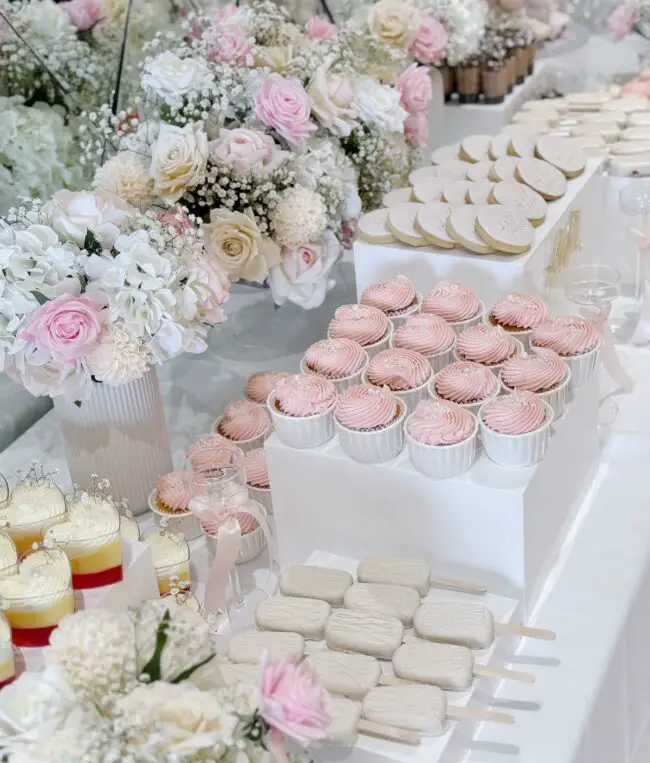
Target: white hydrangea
<point x="126" y="175"/>
<point x="299" y="217"/>
<point x="46" y="20"/>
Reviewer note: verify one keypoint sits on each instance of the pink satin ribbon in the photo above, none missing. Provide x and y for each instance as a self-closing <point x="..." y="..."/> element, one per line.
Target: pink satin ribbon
<point x="611" y="361"/>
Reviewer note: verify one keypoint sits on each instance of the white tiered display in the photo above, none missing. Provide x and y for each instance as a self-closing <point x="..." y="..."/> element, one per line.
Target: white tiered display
<point x="491" y="275"/>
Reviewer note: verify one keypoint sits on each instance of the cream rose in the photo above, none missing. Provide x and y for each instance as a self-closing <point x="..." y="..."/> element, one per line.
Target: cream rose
<point x="276" y="57"/>
<point x="178" y="160"/>
<point x="236" y="242"/>
<point x="395" y="22"/>
<point x="333" y="101"/>
<point x="248" y="150"/>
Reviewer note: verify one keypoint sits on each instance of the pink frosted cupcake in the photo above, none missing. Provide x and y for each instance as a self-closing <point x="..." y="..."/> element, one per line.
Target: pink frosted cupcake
<point x="170" y="500"/>
<point x="404" y="372"/>
<point x="369" y="422"/>
<point x="246" y="424"/>
<point x="454" y="303"/>
<point x="257" y="478"/>
<point x="465" y="383"/>
<point x="363" y="324"/>
<point x="260" y="385"/>
<point x="340" y="360"/>
<point x="488" y="345"/>
<point x="542" y="372"/>
<point x="575" y="340"/>
<point x="253" y="541"/>
<point x="396" y="297"/>
<point x="519" y="313"/>
<point x="442" y="438"/>
<point x="516" y="429"/>
<point x="302" y="408"/>
<point x="429" y="335"/>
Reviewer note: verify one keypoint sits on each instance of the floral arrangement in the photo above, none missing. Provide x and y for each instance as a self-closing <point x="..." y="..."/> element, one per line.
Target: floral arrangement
<point x="627" y="16"/>
<point x="93" y="290"/>
<point x="270" y="135"/>
<point x="146" y="686"/>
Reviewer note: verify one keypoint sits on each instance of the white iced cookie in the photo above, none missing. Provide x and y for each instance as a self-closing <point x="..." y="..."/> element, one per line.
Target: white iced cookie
<point x="519" y="196"/>
<point x="396" y="570"/>
<point x="504" y="168"/>
<point x="587" y="101"/>
<point x="626" y="105"/>
<point x="612" y="118"/>
<point x="628" y="147"/>
<point x="505" y="229"/>
<point x="431" y="223"/>
<point x="423" y="173"/>
<point x="352" y="675"/>
<point x="499" y="146"/>
<point x="428" y="190"/>
<point x="636" y="133"/>
<point x="373" y="228"/>
<point x="475" y="148"/>
<point x="453" y="170"/>
<point x="461" y="226"/>
<point x="306" y="581"/>
<point x="376" y="635"/>
<point x="588" y="141"/>
<point x="479" y="171"/>
<point x="469" y="625"/>
<point x="445" y="154"/>
<point x="344" y="720"/>
<point x="630" y="166"/>
<point x="454" y="192"/>
<point x="542" y="105"/>
<point x="248" y="647"/>
<point x="536" y="124"/>
<point x="448" y="666"/>
<point x="401" y="223"/>
<point x="479" y="193"/>
<point x="397" y="196"/>
<point x="640" y="119"/>
<point x="287" y="613"/>
<point x="609" y="132"/>
<point x="384" y="599"/>
<point x="419" y="708"/>
<point x="542" y="177"/>
<point x="563" y="154"/>
<point x="523" y="145"/>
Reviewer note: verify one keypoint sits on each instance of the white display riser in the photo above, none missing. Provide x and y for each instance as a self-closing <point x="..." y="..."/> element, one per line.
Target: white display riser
<point x="462" y="120"/>
<point x="492" y="275"/>
<point x="452" y="747"/>
<point x="497" y="526"/>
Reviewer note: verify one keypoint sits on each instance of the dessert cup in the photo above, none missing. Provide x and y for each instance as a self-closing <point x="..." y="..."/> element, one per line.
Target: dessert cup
<point x="263" y="496"/>
<point x="471" y="407"/>
<point x="129" y="529"/>
<point x="171" y="558"/>
<point x="557" y="397"/>
<point x="522" y="335"/>
<point x="7" y="664"/>
<point x="496" y="367"/>
<point x="376" y="347"/>
<point x="442" y="461"/>
<point x="460" y="326"/>
<point x="345" y="381"/>
<point x="8" y="556"/>
<point x="252" y="545"/>
<point x="250" y="444"/>
<point x="438" y="360"/>
<point x="25" y="533"/>
<point x="520" y="450"/>
<point x="582" y="367"/>
<point x="399" y="318"/>
<point x="95" y="560"/>
<point x="301" y="432"/>
<point x="411" y="397"/>
<point x="374" y="446"/>
<point x="185" y="522"/>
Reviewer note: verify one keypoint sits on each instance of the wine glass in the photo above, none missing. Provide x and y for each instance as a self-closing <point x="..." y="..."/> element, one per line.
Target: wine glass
<point x="634" y="203"/>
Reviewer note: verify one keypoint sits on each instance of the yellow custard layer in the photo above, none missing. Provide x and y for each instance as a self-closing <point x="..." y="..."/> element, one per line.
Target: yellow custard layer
<point x="7" y="669"/>
<point x="24" y="540"/>
<point x="43" y="617"/>
<point x="106" y="557"/>
<point x="182" y="574"/>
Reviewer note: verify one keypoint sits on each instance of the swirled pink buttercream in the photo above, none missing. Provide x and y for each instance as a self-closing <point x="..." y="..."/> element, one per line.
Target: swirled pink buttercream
<point x="247" y="523"/>
<point x="305" y="395"/>
<point x="568" y="335"/>
<point x="210" y="453"/>
<point x="426" y="334"/>
<point x="520" y="310"/>
<point x="364" y="407"/>
<point x="518" y="413"/>
<point x="451" y="301"/>
<point x="361" y="323"/>
<point x="335" y="358"/>
<point x="171" y="494"/>
<point x="466" y="382"/>
<point x="391" y="296"/>
<point x="243" y="420"/>
<point x="257" y="472"/>
<point x="439" y="422"/>
<point x="488" y="345"/>
<point x="260" y="385"/>
<point x="538" y="371"/>
<point x="399" y="369"/>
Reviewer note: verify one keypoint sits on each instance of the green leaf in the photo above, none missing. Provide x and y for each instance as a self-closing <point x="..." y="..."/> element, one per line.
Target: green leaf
<point x="92" y="244"/>
<point x="190" y="671"/>
<point x="152" y="668"/>
<point x="77" y="403"/>
<point x="40" y="298"/>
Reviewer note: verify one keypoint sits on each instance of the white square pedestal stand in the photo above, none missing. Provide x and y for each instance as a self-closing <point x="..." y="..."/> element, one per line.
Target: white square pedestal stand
<point x="452" y="747"/>
<point x="501" y="527"/>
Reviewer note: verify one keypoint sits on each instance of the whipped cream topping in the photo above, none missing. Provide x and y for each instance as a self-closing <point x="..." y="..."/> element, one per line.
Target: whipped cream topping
<point x="361" y="323"/>
<point x="426" y="334"/>
<point x="42" y="577"/>
<point x="129" y="529"/>
<point x="8" y="553"/>
<point x="260" y="385"/>
<point x="30" y="504"/>
<point x="519" y="413"/>
<point x="243" y="420"/>
<point x="365" y="407"/>
<point x="439" y="422"/>
<point x="465" y="382"/>
<point x="305" y="395"/>
<point x="391" y="296"/>
<point x="488" y="345"/>
<point x="538" y="371"/>
<point x="257" y="471"/>
<point x="89" y="524"/>
<point x="335" y="358"/>
<point x="452" y="301"/>
<point x="568" y="335"/>
<point x="172" y="493"/>
<point x="167" y="549"/>
<point x="399" y="369"/>
<point x="520" y="310"/>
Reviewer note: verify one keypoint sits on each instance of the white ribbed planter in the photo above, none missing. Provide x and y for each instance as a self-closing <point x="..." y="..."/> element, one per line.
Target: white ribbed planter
<point x="119" y="434"/>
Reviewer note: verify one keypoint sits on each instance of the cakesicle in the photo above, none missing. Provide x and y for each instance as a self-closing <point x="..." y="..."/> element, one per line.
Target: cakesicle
<point x="235" y="673"/>
<point x="305" y="581"/>
<point x="248" y="647"/>
<point x="346" y="723"/>
<point x="290" y="613"/>
<point x="410" y="572"/>
<point x="384" y="599"/>
<point x="376" y="635"/>
<point x="352" y="675"/>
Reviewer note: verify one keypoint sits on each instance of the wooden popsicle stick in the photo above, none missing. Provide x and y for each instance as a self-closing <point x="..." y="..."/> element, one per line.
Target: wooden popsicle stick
<point x="392" y="733"/>
<point x="511" y="675"/>
<point x="461" y="586"/>
<point x="523" y="630"/>
<point x="478" y="714"/>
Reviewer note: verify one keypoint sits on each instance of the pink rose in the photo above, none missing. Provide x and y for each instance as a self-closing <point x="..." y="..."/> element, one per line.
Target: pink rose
<point x="211" y="287"/>
<point x="430" y="42"/>
<point x="248" y="150"/>
<point x="293" y="702"/>
<point x="64" y="330"/>
<point x="319" y="28"/>
<point x="415" y="89"/>
<point x="83" y="14"/>
<point x="622" y="20"/>
<point x="416" y="129"/>
<point x="283" y="104"/>
<point x="231" y="46"/>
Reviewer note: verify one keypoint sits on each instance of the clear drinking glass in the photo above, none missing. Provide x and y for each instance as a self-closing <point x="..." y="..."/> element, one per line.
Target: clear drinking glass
<point x="632" y="258"/>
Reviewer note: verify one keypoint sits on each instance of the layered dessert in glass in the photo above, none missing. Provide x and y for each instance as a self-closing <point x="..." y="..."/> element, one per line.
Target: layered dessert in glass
<point x="171" y="558"/>
<point x="7" y="664"/>
<point x="8" y="556"/>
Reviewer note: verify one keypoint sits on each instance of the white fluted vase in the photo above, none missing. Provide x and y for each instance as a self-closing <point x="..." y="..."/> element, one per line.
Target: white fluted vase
<point x="119" y="434"/>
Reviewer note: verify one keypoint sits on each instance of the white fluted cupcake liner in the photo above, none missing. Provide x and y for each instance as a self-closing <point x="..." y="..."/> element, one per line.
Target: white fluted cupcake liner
<point x="252" y="444"/>
<point x="557" y="398"/>
<point x="302" y="432"/>
<point x="377" y="445"/>
<point x="438" y="360"/>
<point x="460" y="326"/>
<point x="410" y="396"/>
<point x="262" y="495"/>
<point x="377" y="347"/>
<point x="398" y="320"/>
<point x="252" y="545"/>
<point x="582" y="367"/>
<point x="471" y="407"/>
<point x="186" y="523"/>
<point x="343" y="383"/>
<point x="516" y="450"/>
<point x="442" y="461"/>
<point x="496" y="369"/>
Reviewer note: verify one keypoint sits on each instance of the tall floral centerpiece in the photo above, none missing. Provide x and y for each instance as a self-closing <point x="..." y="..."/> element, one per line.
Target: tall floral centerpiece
<point x="93" y="296"/>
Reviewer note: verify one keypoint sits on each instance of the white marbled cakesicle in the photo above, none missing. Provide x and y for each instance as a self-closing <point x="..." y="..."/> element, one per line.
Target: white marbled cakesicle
<point x="291" y="613"/>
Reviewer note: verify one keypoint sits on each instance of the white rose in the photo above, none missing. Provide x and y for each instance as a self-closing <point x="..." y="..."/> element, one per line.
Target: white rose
<point x="395" y="22"/>
<point x="179" y="158"/>
<point x="380" y="105"/>
<point x="333" y="100"/>
<point x="171" y="78"/>
<point x="248" y="151"/>
<point x="46" y="20"/>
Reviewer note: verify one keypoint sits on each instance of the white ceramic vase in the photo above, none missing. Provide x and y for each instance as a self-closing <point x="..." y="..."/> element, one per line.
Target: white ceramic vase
<point x="119" y="434"/>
